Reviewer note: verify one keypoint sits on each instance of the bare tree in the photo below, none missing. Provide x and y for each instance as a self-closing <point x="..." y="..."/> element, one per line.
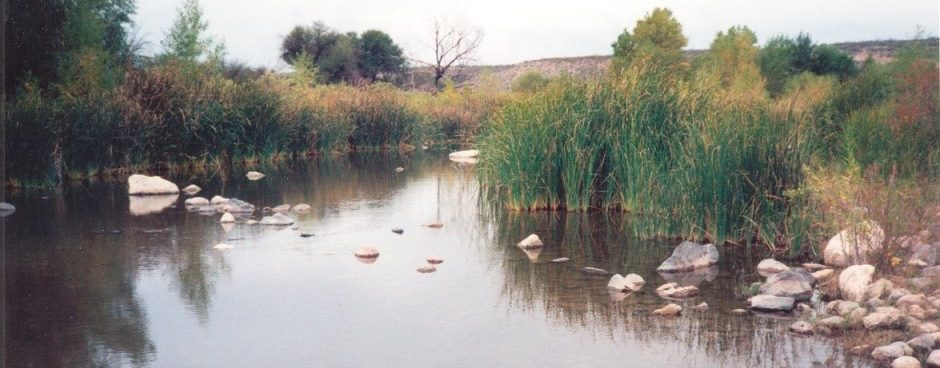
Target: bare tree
<point x="454" y="44"/>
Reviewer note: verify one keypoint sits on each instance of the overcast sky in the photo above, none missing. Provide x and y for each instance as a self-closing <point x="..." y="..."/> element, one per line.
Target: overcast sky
<point x="516" y="31"/>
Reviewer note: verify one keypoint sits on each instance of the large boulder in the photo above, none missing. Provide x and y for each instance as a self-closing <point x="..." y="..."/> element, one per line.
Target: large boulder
<point x="854" y="280"/>
<point x="772" y="303"/>
<point x="796" y="283"/>
<point x="905" y="362"/>
<point x="854" y="245"/>
<point x="689" y="256"/>
<point x="148" y="185"/>
<point x="771" y="266"/>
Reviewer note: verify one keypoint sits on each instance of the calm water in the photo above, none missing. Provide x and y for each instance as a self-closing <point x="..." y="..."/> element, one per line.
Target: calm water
<point x="90" y="284"/>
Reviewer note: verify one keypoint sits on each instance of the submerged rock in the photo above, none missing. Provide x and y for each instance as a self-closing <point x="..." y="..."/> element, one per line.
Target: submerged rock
<point x="236" y="205"/>
<point x="561" y="260"/>
<point x="464" y="154"/>
<point x="796" y="283"/>
<point x="772" y="303"/>
<point x="701" y="306"/>
<point x="691" y="278"/>
<point x="531" y="242"/>
<point x="854" y="280"/>
<point x="435" y="225"/>
<point x="145" y="185"/>
<point x="594" y="271"/>
<point x="892" y="351"/>
<point x="427" y="269"/>
<point x="277" y="219"/>
<point x="222" y="246"/>
<point x="854" y="245"/>
<point x="670" y="310"/>
<point x="254" y="175"/>
<point x="771" y="266"/>
<point x="631" y="282"/>
<point x="399" y="169"/>
<point x="192" y="189"/>
<point x="302" y="208"/>
<point x="802" y="327"/>
<point x="284" y="208"/>
<point x="435" y="260"/>
<point x="6" y="209"/>
<point x="677" y="292"/>
<point x="398" y="230"/>
<point x="689" y="256"/>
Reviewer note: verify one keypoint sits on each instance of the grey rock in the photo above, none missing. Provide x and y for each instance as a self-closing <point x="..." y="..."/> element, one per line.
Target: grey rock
<point x="277" y="219"/>
<point x="691" y="278"/>
<point x="689" y="256"/>
<point x="884" y="318"/>
<point x="802" y="327"/>
<point x="631" y="282"/>
<point x="854" y="245"/>
<point x="670" y="310"/>
<point x="933" y="360"/>
<point x="677" y="292"/>
<point x="841" y="307"/>
<point x="891" y="351"/>
<point x="925" y="342"/>
<point x="771" y="266"/>
<point x="905" y="362"/>
<point x="796" y="283"/>
<point x="854" y="280"/>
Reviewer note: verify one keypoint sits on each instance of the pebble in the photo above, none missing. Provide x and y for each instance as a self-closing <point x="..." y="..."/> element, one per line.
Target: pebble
<point x="561" y="260"/>
<point x="427" y="269"/>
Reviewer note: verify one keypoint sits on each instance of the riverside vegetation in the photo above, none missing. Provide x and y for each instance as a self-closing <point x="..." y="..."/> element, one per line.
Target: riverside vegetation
<point x="776" y="145"/>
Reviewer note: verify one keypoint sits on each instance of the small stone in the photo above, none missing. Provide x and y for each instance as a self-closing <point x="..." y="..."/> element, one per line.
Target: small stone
<point x="771" y="266"/>
<point x="196" y="201"/>
<point x="277" y="219"/>
<point x="302" y="208"/>
<point x="631" y="282"/>
<point x="841" y="307"/>
<point x="905" y="362"/>
<point x="802" y="327"/>
<point x="427" y="269"/>
<point x="367" y="252"/>
<point x="911" y="299"/>
<point x="398" y="230"/>
<point x="227" y="218"/>
<point x="435" y="225"/>
<point x="701" y="306"/>
<point x="192" y="189"/>
<point x="561" y="260"/>
<point x="306" y="235"/>
<point x="594" y="271"/>
<point x="670" y="310"/>
<point x="284" y="208"/>
<point x="222" y="246"/>
<point x="884" y="318"/>
<point x="254" y="175"/>
<point x="399" y="169"/>
<point x="896" y="294"/>
<point x="252" y="222"/>
<point x="531" y="242"/>
<point x="435" y="260"/>
<point x="738" y="311"/>
<point x="834" y="322"/>
<point x="217" y="200"/>
<point x="679" y="292"/>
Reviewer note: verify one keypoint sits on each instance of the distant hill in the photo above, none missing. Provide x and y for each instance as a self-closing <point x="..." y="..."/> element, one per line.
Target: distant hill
<point x="589" y="66"/>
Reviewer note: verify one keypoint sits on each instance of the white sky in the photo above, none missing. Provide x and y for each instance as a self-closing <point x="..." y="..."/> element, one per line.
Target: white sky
<point x="516" y="31"/>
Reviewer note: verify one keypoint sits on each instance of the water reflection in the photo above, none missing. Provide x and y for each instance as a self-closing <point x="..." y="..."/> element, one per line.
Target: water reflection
<point x="99" y="279"/>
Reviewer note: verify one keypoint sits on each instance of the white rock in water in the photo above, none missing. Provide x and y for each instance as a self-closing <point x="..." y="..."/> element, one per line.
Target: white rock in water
<point x="464" y="154"/>
<point x="252" y="222"/>
<point x="217" y="200"/>
<point x="278" y="219"/>
<point x="143" y="185"/>
<point x="802" y="327"/>
<point x="531" y="242"/>
<point x="772" y="303"/>
<point x="196" y="201"/>
<point x="6" y="209"/>
<point x="302" y="208"/>
<point x="854" y="245"/>
<point x="771" y="266"/>
<point x="192" y="189"/>
<point x="561" y="260"/>
<point x="399" y="169"/>
<point x="631" y="282"/>
<point x="222" y="246"/>
<point x="227" y="218"/>
<point x="689" y="256"/>
<point x="854" y="280"/>
<point x="145" y="205"/>
<point x="254" y="175"/>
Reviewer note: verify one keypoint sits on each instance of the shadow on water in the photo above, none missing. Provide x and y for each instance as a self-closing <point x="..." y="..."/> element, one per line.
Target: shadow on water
<point x="91" y="284"/>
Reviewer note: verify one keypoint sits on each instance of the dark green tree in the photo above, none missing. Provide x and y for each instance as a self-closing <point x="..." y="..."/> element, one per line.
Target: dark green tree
<point x="828" y="60"/>
<point x="379" y="55"/>
<point x="315" y="41"/>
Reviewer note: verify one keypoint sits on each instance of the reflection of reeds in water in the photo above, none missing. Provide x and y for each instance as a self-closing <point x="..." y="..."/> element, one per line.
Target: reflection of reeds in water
<point x="572" y="300"/>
